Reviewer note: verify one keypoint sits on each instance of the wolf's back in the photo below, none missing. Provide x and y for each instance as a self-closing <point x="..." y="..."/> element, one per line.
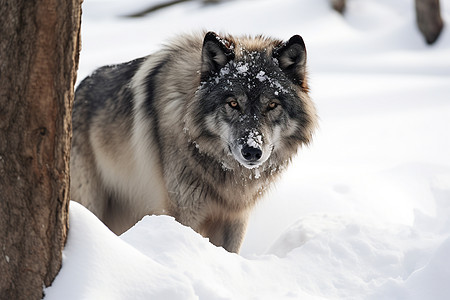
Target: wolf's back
<point x="104" y="89"/>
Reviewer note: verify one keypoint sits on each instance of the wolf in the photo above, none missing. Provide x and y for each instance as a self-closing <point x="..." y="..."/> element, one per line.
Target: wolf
<point x="198" y="130"/>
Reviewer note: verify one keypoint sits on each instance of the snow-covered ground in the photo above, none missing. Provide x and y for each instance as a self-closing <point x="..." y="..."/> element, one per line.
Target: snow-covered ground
<point x="363" y="213"/>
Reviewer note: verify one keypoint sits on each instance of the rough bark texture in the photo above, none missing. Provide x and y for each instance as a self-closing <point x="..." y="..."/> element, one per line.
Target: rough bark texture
<point x="39" y="46"/>
<point x="429" y="20"/>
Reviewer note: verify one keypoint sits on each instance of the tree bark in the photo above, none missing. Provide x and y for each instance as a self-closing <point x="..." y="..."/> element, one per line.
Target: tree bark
<point x="429" y="20"/>
<point x="39" y="47"/>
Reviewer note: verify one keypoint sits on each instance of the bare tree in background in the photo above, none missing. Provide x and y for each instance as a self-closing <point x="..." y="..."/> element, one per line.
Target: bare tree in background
<point x="428" y="16"/>
<point x="338" y="5"/>
<point x="39" y="46"/>
<point x="429" y="20"/>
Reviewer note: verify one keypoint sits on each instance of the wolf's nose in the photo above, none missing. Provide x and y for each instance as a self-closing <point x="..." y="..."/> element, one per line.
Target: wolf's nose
<point x="251" y="153"/>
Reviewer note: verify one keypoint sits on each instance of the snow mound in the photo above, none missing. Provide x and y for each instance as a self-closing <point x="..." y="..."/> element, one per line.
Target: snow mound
<point x="160" y="259"/>
<point x="97" y="264"/>
<point x="321" y="256"/>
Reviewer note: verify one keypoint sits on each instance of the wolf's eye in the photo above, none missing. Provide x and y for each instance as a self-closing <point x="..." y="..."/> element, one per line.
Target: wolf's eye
<point x="272" y="105"/>
<point x="233" y="104"/>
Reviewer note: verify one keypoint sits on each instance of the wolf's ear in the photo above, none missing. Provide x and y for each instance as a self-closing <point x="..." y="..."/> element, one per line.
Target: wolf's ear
<point x="215" y="55"/>
<point x="291" y="58"/>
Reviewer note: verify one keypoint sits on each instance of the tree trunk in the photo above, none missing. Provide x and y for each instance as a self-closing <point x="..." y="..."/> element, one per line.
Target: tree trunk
<point x="429" y="21"/>
<point x="338" y="5"/>
<point x="39" y="46"/>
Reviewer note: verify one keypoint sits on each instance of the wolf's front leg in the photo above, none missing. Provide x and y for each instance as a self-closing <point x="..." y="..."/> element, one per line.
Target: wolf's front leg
<point x="228" y="233"/>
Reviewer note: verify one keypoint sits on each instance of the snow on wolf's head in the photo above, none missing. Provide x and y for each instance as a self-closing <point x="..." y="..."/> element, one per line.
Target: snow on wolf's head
<point x="252" y="104"/>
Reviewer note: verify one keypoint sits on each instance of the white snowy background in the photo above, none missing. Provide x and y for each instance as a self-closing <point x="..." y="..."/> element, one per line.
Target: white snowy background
<point x="363" y="213"/>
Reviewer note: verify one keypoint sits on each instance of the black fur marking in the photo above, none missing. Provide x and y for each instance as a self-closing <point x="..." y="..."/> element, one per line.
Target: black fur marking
<point x="229" y="230"/>
<point x="98" y="92"/>
<point x="122" y="73"/>
<point x="291" y="57"/>
<point x="214" y="169"/>
<point x="227" y="235"/>
<point x="150" y="105"/>
<point x="215" y="55"/>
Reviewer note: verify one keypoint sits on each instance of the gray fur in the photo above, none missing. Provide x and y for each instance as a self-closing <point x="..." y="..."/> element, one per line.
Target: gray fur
<point x="198" y="131"/>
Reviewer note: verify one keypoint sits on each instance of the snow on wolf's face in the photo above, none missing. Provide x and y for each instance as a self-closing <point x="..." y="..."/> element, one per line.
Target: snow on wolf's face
<point x="248" y="105"/>
<point x="252" y="107"/>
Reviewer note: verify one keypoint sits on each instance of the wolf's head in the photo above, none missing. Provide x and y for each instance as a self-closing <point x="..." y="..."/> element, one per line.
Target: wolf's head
<point x="252" y="106"/>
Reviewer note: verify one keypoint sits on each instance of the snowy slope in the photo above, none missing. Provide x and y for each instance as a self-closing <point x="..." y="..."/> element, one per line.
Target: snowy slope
<point x="363" y="213"/>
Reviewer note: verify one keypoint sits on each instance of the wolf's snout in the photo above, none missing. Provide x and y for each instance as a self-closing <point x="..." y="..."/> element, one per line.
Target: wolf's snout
<point x="251" y="154"/>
